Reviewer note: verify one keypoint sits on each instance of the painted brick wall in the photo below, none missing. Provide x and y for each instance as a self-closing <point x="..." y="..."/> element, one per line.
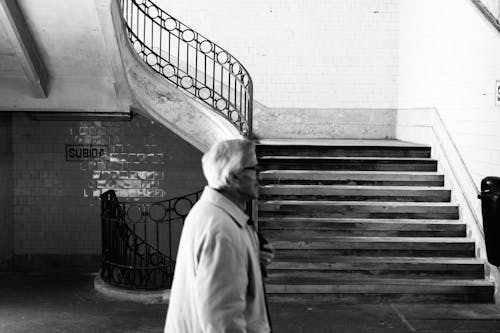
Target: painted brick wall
<point x="449" y="60"/>
<point x="57" y="206"/>
<point x="6" y="168"/>
<point x="312" y="54"/>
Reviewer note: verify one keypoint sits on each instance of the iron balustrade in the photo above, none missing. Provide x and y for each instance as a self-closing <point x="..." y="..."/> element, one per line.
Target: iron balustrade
<point x="138" y="240"/>
<point x="191" y="62"/>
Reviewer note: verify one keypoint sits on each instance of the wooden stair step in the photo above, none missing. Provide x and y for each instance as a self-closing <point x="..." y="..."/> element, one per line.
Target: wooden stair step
<point x="431" y="231"/>
<point x="312" y="227"/>
<point x="339" y="177"/>
<point x="374" y="262"/>
<point x="312" y="148"/>
<point x="356" y="209"/>
<point x="343" y="242"/>
<point x="324" y="248"/>
<point x="355" y="192"/>
<point x="359" y="267"/>
<point x="347" y="163"/>
<point x="402" y="290"/>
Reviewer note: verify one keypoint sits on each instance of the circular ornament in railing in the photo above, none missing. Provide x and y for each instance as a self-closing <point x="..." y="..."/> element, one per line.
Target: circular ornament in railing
<point x="222" y="57"/>
<point x="170" y="24"/>
<point x="236" y="68"/>
<point x="182" y="206"/>
<point x="157" y="212"/>
<point x="204" y="93"/>
<point x="205" y="46"/>
<point x="138" y="46"/>
<point x="221" y="104"/>
<point x="244" y="79"/>
<point x="151" y="59"/>
<point x="188" y="35"/>
<point x="153" y="11"/>
<point x="116" y="275"/>
<point x="134" y="213"/>
<point x="234" y="116"/>
<point x="187" y="82"/>
<point x="168" y="71"/>
<point x="140" y="249"/>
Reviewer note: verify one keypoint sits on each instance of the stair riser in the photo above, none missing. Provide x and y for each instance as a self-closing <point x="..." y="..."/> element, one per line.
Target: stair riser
<point x="375" y="182"/>
<point x="326" y="254"/>
<point x="310" y="235"/>
<point x="445" y="197"/>
<point x="316" y="228"/>
<point x="358" y="211"/>
<point x="360" y="165"/>
<point x="322" y="277"/>
<point x="326" y="151"/>
<point x="484" y="296"/>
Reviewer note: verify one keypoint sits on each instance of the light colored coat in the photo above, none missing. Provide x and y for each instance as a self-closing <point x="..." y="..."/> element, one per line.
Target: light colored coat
<point x="217" y="284"/>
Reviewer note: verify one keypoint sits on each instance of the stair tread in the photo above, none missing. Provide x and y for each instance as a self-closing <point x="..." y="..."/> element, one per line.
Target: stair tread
<point x="332" y="158"/>
<point x="353" y="203"/>
<point x="292" y="264"/>
<point x="401" y="281"/>
<point x="377" y="239"/>
<point x="340" y="143"/>
<point x="357" y="220"/>
<point x="357" y="187"/>
<point x="345" y="172"/>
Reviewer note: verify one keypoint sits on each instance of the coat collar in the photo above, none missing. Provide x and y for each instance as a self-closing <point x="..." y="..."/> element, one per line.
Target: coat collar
<point x="213" y="196"/>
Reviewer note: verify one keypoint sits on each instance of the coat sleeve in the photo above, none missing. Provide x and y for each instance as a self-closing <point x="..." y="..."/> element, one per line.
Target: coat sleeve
<point x="220" y="288"/>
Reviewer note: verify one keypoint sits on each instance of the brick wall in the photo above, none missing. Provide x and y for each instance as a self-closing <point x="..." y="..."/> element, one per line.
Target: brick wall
<point x="6" y="168"/>
<point x="312" y="54"/>
<point x="450" y="61"/>
<point x="57" y="206"/>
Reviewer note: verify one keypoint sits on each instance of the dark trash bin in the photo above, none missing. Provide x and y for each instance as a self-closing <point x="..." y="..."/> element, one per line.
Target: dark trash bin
<point x="490" y="204"/>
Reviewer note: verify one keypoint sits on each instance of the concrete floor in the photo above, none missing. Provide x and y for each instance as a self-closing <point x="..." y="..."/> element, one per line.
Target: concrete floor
<point x="69" y="303"/>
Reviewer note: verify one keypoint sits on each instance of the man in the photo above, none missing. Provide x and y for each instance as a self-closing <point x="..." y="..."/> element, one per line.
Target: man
<point x="217" y="284"/>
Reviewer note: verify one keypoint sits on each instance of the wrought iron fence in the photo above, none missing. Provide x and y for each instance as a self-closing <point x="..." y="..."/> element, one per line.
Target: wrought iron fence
<point x="191" y="61"/>
<point x="138" y="240"/>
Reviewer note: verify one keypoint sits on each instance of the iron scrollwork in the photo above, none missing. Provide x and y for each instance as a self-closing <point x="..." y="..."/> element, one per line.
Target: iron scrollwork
<point x="191" y="61"/>
<point x="137" y="240"/>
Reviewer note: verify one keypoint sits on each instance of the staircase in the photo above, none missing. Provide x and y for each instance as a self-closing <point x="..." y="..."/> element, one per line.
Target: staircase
<point x="363" y="221"/>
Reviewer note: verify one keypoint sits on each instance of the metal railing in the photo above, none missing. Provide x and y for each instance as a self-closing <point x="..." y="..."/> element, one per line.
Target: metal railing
<point x="191" y="61"/>
<point x="138" y="240"/>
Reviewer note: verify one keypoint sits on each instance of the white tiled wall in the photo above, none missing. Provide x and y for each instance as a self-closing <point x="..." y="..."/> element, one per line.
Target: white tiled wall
<point x="449" y="59"/>
<point x="311" y="54"/>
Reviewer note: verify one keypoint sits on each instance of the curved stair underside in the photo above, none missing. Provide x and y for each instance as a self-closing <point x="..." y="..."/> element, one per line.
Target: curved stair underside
<point x="158" y="99"/>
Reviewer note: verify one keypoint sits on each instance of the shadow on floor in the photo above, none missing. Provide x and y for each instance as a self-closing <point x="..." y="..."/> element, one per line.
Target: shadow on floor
<point x="53" y="303"/>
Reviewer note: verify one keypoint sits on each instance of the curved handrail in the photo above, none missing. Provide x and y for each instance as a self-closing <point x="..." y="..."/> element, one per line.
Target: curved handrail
<point x="191" y="62"/>
<point x="129" y="260"/>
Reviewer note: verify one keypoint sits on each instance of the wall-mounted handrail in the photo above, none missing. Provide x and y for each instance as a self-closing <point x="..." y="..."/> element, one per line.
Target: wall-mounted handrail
<point x="191" y="61"/>
<point x="138" y="240"/>
<point x="485" y="9"/>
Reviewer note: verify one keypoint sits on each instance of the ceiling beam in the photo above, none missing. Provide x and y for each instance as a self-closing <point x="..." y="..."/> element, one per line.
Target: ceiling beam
<point x="21" y="38"/>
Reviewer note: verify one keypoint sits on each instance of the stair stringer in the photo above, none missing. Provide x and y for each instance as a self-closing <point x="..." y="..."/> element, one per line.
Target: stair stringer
<point x="158" y="99"/>
<point x="425" y="126"/>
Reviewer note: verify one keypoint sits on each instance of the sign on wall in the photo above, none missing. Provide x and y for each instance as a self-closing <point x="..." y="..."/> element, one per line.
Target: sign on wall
<point x="497" y="93"/>
<point x="85" y="152"/>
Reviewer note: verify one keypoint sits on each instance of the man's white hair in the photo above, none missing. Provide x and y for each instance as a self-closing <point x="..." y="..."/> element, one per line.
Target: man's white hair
<point x="224" y="159"/>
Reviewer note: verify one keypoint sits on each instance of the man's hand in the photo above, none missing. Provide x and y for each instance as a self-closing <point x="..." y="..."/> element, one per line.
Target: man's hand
<point x="266" y="254"/>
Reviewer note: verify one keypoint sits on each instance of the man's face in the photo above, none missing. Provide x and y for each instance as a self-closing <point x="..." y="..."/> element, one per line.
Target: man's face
<point x="248" y="185"/>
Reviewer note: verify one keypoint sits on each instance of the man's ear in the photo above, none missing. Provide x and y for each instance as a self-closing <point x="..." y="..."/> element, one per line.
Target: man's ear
<point x="233" y="178"/>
